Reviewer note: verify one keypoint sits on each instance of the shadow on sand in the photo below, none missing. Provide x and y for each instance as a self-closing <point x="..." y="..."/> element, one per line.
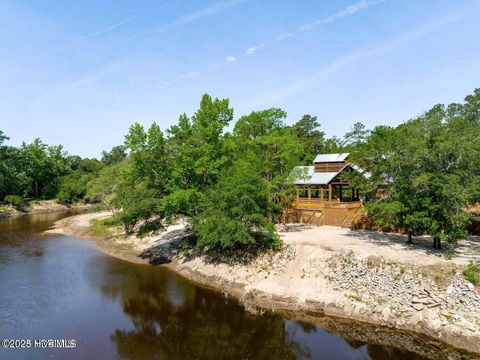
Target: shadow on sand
<point x="463" y="249"/>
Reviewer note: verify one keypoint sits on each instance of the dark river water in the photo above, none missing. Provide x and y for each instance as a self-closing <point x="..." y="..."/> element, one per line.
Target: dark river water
<point x="57" y="287"/>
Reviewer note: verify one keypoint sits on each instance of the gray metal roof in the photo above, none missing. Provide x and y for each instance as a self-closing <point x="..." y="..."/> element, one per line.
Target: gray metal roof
<point x="357" y="168"/>
<point x="330" y="157"/>
<point x="308" y="176"/>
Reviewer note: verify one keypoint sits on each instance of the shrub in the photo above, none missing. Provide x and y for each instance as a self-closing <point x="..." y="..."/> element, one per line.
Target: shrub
<point x="186" y="202"/>
<point x="73" y="188"/>
<point x="15" y="200"/>
<point x="385" y="215"/>
<point x="235" y="213"/>
<point x="472" y="273"/>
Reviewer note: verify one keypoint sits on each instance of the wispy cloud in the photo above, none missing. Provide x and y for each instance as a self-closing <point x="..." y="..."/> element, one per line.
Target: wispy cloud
<point x="360" y="55"/>
<point x="188" y="75"/>
<point x="252" y="50"/>
<point x="215" y="8"/>
<point x="201" y="14"/>
<point x="97" y="33"/>
<point x="213" y="67"/>
<point x="349" y="10"/>
<point x="284" y="36"/>
<point x="230" y="59"/>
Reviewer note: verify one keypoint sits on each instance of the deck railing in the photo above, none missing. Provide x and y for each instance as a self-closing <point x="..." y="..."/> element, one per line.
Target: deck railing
<point x="318" y="204"/>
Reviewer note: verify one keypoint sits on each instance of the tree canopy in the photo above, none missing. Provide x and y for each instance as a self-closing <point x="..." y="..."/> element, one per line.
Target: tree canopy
<point x="234" y="182"/>
<point x="428" y="166"/>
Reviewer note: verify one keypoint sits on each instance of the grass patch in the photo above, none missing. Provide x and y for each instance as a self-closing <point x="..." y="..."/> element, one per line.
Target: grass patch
<point x="354" y="297"/>
<point x="449" y="256"/>
<point x="442" y="276"/>
<point x="5" y="209"/>
<point x="103" y="228"/>
<point x="401" y="272"/>
<point x="472" y="273"/>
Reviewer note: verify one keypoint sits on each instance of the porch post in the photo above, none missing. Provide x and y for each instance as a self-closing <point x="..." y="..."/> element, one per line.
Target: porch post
<point x="298" y="194"/>
<point x="353" y="194"/>
<point x="329" y="192"/>
<point x="321" y="194"/>
<point x="309" y="191"/>
<point x="340" y="193"/>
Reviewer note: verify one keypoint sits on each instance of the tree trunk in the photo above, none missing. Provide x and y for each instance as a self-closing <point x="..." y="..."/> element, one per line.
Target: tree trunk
<point x="437" y="243"/>
<point x="409" y="240"/>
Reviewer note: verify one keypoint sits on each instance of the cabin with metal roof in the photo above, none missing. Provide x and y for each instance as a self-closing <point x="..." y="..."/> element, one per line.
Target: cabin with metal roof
<point x="325" y="195"/>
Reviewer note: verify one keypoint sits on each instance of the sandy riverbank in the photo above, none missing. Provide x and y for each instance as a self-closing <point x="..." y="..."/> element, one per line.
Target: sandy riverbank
<point x="39" y="207"/>
<point x="360" y="275"/>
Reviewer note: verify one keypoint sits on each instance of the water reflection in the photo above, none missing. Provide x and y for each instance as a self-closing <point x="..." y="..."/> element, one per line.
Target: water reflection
<point x="173" y="319"/>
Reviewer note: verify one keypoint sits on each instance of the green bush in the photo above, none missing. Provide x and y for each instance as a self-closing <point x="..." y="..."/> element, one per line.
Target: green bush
<point x="186" y="202"/>
<point x="15" y="200"/>
<point x="73" y="187"/>
<point x="235" y="213"/>
<point x="385" y="215"/>
<point x="472" y="273"/>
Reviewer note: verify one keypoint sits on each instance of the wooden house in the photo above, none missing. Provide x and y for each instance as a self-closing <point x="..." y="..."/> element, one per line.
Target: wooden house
<point x="325" y="195"/>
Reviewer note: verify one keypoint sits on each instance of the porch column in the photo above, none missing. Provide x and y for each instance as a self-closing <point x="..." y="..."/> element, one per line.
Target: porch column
<point x="298" y="194"/>
<point x="353" y="194"/>
<point x="309" y="192"/>
<point x="321" y="194"/>
<point x="340" y="193"/>
<point x="329" y="192"/>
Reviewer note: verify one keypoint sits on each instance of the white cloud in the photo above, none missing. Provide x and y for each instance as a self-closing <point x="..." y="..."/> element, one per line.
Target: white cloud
<point x="349" y="10"/>
<point x="252" y="50"/>
<point x="231" y="58"/>
<point x="284" y="36"/>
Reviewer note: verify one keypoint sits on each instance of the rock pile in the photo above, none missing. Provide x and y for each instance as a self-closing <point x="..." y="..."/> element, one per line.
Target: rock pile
<point x="397" y="292"/>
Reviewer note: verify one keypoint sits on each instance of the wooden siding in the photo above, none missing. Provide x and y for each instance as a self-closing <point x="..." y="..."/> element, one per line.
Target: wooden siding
<point x="332" y="213"/>
<point x="329" y="166"/>
<point x="317" y="212"/>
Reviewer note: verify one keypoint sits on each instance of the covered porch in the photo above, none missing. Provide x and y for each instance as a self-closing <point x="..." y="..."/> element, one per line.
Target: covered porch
<point x="315" y="197"/>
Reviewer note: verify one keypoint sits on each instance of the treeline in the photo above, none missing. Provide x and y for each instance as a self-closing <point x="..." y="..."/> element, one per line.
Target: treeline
<point x="235" y="184"/>
<point x="40" y="171"/>
<point x="426" y="171"/>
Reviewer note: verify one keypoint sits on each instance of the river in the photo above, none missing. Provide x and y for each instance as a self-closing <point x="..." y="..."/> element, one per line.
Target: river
<point x="57" y="287"/>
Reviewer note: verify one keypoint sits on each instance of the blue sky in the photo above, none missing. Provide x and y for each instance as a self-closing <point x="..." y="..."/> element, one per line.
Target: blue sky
<point x="79" y="73"/>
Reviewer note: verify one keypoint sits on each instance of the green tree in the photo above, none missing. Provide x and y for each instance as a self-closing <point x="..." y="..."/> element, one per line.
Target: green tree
<point x="137" y="202"/>
<point x="103" y="187"/>
<point x="3" y="137"/>
<point x="147" y="150"/>
<point x="430" y="165"/>
<point x="259" y="123"/>
<point x="313" y="139"/>
<point x="115" y="155"/>
<point x="262" y="139"/>
<point x="236" y="210"/>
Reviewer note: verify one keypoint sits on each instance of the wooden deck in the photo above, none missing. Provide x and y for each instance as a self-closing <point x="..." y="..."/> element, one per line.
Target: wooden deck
<point x="321" y="212"/>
